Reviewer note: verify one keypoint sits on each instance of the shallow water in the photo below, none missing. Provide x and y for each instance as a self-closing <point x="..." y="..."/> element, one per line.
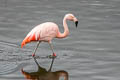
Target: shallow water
<point x="90" y="52"/>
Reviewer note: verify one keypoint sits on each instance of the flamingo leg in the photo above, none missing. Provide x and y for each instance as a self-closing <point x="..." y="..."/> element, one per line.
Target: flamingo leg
<point x="36" y="48"/>
<point x="52" y="49"/>
<point x="51" y="64"/>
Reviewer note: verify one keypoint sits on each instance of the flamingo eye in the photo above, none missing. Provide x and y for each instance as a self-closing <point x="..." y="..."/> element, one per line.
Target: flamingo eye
<point x="71" y="17"/>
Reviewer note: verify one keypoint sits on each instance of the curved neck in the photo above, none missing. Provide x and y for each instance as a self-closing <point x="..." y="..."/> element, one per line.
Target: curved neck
<point x="66" y="30"/>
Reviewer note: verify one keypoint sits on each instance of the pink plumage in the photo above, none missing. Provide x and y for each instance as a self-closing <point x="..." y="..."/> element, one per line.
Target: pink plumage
<point x="43" y="32"/>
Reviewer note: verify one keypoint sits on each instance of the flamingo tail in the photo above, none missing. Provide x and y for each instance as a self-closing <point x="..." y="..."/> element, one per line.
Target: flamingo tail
<point x="30" y="38"/>
<point x="25" y="41"/>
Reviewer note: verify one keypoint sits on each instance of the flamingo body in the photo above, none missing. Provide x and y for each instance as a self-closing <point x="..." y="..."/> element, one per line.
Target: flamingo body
<point x="43" y="32"/>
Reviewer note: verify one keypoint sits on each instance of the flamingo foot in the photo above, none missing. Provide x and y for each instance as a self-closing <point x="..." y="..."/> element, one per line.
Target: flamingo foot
<point x="54" y="55"/>
<point x="33" y="55"/>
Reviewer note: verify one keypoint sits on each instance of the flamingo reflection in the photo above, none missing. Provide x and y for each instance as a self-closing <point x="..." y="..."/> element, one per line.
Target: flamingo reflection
<point x="43" y="74"/>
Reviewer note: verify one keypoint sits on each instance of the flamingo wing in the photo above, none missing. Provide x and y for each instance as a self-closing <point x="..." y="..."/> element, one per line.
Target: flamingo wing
<point x="33" y="35"/>
<point x="43" y="32"/>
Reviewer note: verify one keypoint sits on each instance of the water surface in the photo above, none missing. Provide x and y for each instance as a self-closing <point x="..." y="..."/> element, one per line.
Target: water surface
<point x="90" y="52"/>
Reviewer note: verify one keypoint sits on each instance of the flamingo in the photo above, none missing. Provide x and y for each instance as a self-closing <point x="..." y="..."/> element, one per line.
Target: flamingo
<point x="45" y="32"/>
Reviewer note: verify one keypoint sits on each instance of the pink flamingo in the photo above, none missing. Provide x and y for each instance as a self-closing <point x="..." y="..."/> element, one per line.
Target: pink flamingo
<point x="45" y="32"/>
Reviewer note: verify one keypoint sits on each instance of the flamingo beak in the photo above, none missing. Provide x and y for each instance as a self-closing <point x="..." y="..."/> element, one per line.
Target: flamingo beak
<point x="76" y="23"/>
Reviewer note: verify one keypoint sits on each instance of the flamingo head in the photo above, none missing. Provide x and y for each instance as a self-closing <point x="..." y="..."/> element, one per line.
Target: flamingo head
<point x="71" y="17"/>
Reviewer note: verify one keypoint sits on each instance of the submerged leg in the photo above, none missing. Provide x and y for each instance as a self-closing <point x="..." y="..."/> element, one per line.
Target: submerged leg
<point x="51" y="64"/>
<point x="36" y="48"/>
<point x="54" y="54"/>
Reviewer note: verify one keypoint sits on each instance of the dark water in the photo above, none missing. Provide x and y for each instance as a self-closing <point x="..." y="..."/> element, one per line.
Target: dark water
<point x="91" y="52"/>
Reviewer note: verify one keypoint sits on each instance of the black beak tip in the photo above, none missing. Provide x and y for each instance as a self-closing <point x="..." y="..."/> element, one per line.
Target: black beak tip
<point x="76" y="23"/>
